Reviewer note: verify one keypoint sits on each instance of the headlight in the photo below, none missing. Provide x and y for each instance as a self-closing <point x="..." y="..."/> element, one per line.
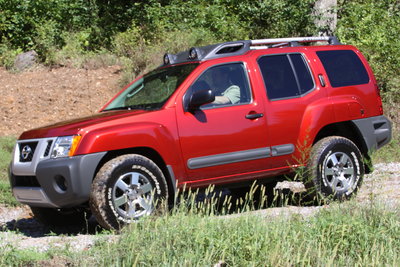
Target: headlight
<point x="65" y="146"/>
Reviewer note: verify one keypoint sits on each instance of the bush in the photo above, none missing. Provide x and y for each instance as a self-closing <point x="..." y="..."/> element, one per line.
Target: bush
<point x="139" y="55"/>
<point x="8" y="54"/>
<point x="45" y="25"/>
<point x="373" y="27"/>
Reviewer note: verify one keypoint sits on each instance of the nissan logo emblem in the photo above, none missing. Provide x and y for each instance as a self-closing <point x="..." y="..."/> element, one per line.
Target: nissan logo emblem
<point x="26" y="151"/>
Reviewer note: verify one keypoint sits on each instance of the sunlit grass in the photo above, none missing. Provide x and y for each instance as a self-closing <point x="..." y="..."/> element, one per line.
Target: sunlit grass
<point x="345" y="234"/>
<point x="6" y="148"/>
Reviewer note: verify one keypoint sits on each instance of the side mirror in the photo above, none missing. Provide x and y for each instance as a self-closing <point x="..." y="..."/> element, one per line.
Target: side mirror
<point x="200" y="98"/>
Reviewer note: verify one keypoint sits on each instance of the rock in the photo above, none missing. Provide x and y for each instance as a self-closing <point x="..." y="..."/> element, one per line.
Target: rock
<point x="220" y="264"/>
<point x="295" y="187"/>
<point x="25" y="60"/>
<point x="289" y="192"/>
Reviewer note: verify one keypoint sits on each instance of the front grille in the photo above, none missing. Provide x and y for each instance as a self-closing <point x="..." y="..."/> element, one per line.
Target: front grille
<point x="47" y="151"/>
<point x="26" y="151"/>
<point x="29" y="181"/>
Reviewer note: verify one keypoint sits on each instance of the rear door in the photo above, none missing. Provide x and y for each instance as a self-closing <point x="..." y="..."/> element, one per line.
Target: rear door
<point x="291" y="90"/>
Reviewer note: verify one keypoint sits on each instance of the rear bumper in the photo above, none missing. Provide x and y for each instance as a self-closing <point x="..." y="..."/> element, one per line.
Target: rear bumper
<point x="63" y="182"/>
<point x="376" y="131"/>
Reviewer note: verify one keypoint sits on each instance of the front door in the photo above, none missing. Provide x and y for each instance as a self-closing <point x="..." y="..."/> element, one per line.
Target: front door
<point x="229" y="136"/>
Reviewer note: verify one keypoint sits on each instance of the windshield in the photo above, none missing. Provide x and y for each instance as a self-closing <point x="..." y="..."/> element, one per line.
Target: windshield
<point x="153" y="89"/>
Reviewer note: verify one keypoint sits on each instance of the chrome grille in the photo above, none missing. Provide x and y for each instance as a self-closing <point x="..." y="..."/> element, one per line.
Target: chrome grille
<point x="47" y="151"/>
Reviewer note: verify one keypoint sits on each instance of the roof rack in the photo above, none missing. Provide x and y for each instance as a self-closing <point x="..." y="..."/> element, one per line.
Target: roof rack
<point x="240" y="47"/>
<point x="330" y="39"/>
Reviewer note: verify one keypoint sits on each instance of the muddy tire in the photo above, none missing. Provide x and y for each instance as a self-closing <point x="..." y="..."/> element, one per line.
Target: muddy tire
<point x="60" y="217"/>
<point x="125" y="189"/>
<point x="335" y="169"/>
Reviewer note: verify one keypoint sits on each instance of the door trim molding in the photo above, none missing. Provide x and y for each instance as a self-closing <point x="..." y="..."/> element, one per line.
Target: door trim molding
<point x="226" y="158"/>
<point x="239" y="156"/>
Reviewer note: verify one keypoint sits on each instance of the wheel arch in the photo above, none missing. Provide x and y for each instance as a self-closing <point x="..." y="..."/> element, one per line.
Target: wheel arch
<point x="147" y="152"/>
<point x="349" y="130"/>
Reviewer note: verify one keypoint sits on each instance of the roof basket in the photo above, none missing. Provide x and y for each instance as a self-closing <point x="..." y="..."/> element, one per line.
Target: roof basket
<point x="240" y="47"/>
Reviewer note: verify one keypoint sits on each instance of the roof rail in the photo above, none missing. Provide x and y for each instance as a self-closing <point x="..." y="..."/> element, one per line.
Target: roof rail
<point x="239" y="48"/>
<point x="330" y="39"/>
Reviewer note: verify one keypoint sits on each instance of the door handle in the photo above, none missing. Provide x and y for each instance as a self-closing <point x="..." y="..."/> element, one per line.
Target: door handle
<point x="253" y="116"/>
<point x="321" y="80"/>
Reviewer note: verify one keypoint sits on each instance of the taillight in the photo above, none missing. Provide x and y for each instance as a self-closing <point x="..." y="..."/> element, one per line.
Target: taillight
<point x="379" y="99"/>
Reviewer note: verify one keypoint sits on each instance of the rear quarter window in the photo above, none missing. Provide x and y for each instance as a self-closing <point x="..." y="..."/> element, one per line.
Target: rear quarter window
<point x="344" y="67"/>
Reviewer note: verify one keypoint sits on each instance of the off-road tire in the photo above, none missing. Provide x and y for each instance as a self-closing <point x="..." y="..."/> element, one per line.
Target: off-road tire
<point x="103" y="200"/>
<point x="60" y="217"/>
<point x="328" y="180"/>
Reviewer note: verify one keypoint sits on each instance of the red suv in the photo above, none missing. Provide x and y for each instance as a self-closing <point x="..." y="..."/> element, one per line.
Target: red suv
<point x="218" y="114"/>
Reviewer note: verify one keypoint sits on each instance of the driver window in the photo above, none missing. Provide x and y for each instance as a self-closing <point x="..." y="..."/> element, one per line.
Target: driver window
<point x="229" y="83"/>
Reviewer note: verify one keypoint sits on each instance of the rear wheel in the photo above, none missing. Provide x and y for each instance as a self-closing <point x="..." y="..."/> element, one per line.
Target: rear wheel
<point x="335" y="168"/>
<point x="125" y="189"/>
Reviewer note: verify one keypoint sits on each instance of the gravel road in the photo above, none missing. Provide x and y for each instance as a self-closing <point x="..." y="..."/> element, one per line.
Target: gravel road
<point x="19" y="230"/>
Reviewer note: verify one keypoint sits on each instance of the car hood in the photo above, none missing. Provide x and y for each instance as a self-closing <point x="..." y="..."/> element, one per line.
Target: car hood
<point x="75" y="126"/>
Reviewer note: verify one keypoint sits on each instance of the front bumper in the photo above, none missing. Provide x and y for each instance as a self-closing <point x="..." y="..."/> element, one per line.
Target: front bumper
<point x="59" y="183"/>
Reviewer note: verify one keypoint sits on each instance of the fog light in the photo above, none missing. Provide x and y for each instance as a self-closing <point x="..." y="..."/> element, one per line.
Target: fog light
<point x="166" y="59"/>
<point x="193" y="53"/>
<point x="60" y="184"/>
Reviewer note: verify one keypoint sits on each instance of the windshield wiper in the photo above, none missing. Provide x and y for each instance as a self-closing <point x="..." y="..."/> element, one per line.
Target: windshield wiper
<point x="152" y="106"/>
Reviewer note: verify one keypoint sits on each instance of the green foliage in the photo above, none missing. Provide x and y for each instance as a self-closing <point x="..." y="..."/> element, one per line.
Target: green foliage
<point x="373" y="26"/>
<point x="134" y="27"/>
<point x="138" y="55"/>
<point x="21" y="19"/>
<point x="72" y="32"/>
<point x="7" y="55"/>
<point x="274" y="18"/>
<point x="6" y="148"/>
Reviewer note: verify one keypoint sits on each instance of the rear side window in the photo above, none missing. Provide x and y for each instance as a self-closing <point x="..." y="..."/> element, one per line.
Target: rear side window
<point x="285" y="76"/>
<point x="344" y="67"/>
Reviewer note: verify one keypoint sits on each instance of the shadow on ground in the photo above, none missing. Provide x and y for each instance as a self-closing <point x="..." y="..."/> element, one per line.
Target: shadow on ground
<point x="32" y="228"/>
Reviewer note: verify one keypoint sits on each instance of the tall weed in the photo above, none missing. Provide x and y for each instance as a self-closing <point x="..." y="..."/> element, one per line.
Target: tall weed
<point x="6" y="148"/>
<point x="346" y="234"/>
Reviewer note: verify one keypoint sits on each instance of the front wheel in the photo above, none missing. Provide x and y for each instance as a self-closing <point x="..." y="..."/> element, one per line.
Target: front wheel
<point x="125" y="189"/>
<point x="335" y="168"/>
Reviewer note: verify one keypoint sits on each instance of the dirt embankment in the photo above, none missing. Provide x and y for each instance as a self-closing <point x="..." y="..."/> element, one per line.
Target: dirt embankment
<point x="43" y="96"/>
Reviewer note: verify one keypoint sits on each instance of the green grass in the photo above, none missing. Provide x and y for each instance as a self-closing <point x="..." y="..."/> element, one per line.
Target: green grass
<point x="6" y="148"/>
<point x="11" y="256"/>
<point x="343" y="235"/>
<point x="390" y="152"/>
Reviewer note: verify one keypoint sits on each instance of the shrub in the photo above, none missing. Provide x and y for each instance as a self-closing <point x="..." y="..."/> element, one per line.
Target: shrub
<point x="8" y="54"/>
<point x="139" y="55"/>
<point x="373" y="27"/>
